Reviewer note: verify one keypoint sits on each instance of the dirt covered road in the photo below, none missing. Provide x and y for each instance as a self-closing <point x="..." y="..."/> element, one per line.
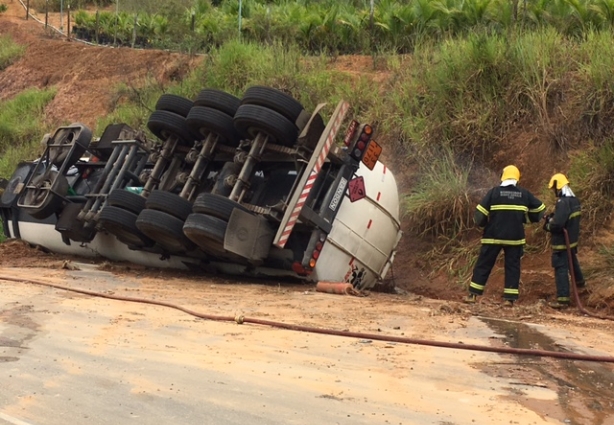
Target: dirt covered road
<point x="110" y="359"/>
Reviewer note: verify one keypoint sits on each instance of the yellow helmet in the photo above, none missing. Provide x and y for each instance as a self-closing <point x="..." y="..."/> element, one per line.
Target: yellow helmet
<point x="558" y="181"/>
<point x="510" y="172"/>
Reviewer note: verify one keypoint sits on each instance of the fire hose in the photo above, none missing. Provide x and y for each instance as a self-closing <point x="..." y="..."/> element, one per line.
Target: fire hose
<point x="239" y="319"/>
<point x="574" y="288"/>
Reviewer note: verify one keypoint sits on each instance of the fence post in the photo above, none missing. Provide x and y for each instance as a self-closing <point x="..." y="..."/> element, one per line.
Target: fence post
<point x="96" y="29"/>
<point x="46" y="14"/>
<point x="116" y="22"/>
<point x="27" y="9"/>
<point x="68" y="21"/>
<point x="136" y="20"/>
<point x="240" y="13"/>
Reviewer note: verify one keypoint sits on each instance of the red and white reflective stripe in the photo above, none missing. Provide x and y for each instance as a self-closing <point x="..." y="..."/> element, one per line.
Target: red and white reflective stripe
<point x="297" y="209"/>
<point x="312" y="176"/>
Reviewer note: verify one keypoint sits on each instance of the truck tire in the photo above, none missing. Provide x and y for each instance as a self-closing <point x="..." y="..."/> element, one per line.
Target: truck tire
<point x="164" y="124"/>
<point x="169" y="203"/>
<point x="51" y="202"/>
<point x="165" y="230"/>
<point x="216" y="206"/>
<point x="253" y="119"/>
<point x="203" y="120"/>
<point x="126" y="200"/>
<point x="205" y="231"/>
<point x="176" y="104"/>
<point x="274" y="99"/>
<point x="122" y="224"/>
<point x="66" y="137"/>
<point x="218" y="99"/>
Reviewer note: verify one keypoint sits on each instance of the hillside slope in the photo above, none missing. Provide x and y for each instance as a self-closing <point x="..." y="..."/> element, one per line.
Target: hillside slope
<point x="85" y="75"/>
<point x="82" y="74"/>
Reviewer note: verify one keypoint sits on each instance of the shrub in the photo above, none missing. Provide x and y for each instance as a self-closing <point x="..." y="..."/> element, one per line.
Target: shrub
<point x="440" y="203"/>
<point x="9" y="52"/>
<point x="592" y="179"/>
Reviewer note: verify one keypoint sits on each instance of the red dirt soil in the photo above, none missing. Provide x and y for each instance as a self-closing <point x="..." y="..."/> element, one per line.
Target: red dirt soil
<point x="84" y="76"/>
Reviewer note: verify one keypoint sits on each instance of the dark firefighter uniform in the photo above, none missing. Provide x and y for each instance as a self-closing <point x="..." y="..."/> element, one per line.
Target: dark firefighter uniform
<point x="503" y="213"/>
<point x="567" y="215"/>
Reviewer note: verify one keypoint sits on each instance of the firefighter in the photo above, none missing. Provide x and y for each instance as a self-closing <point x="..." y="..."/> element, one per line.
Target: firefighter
<point x="503" y="213"/>
<point x="566" y="216"/>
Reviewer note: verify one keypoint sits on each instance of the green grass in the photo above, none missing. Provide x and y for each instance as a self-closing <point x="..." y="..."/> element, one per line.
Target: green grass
<point x="591" y="176"/>
<point x="440" y="202"/>
<point x="21" y="127"/>
<point x="9" y="50"/>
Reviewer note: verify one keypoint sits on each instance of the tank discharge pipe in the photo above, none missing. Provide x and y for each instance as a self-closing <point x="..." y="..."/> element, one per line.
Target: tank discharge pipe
<point x="387" y="338"/>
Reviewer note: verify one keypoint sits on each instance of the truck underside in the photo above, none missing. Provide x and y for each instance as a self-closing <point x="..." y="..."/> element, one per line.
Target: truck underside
<point x="253" y="185"/>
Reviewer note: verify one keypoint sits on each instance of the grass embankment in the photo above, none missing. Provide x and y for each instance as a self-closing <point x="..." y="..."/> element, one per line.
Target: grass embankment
<point x="450" y="117"/>
<point x="21" y="118"/>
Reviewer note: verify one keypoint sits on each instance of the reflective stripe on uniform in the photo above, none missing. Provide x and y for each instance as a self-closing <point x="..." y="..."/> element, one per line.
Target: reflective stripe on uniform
<point x="564" y="247"/>
<point x="538" y="209"/>
<point x="476" y="286"/>
<point x="504" y="207"/>
<point x="563" y="299"/>
<point x="510" y="291"/>
<point x="503" y="242"/>
<point x="482" y="210"/>
<point x="574" y="215"/>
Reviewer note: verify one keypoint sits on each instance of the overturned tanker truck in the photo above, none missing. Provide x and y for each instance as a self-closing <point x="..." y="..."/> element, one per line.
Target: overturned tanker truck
<point x="251" y="186"/>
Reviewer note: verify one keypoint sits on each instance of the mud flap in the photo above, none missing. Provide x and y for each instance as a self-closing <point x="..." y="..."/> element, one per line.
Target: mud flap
<point x="248" y="235"/>
<point x="71" y="228"/>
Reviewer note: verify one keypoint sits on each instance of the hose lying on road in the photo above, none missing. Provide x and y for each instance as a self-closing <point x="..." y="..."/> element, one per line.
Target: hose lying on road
<point x="387" y="338"/>
<point x="574" y="288"/>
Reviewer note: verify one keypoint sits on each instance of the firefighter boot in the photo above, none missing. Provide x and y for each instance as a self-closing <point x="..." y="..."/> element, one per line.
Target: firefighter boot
<point x="470" y="299"/>
<point x="558" y="305"/>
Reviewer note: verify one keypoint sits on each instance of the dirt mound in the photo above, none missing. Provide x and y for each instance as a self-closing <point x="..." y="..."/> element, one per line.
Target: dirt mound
<point x="17" y="253"/>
